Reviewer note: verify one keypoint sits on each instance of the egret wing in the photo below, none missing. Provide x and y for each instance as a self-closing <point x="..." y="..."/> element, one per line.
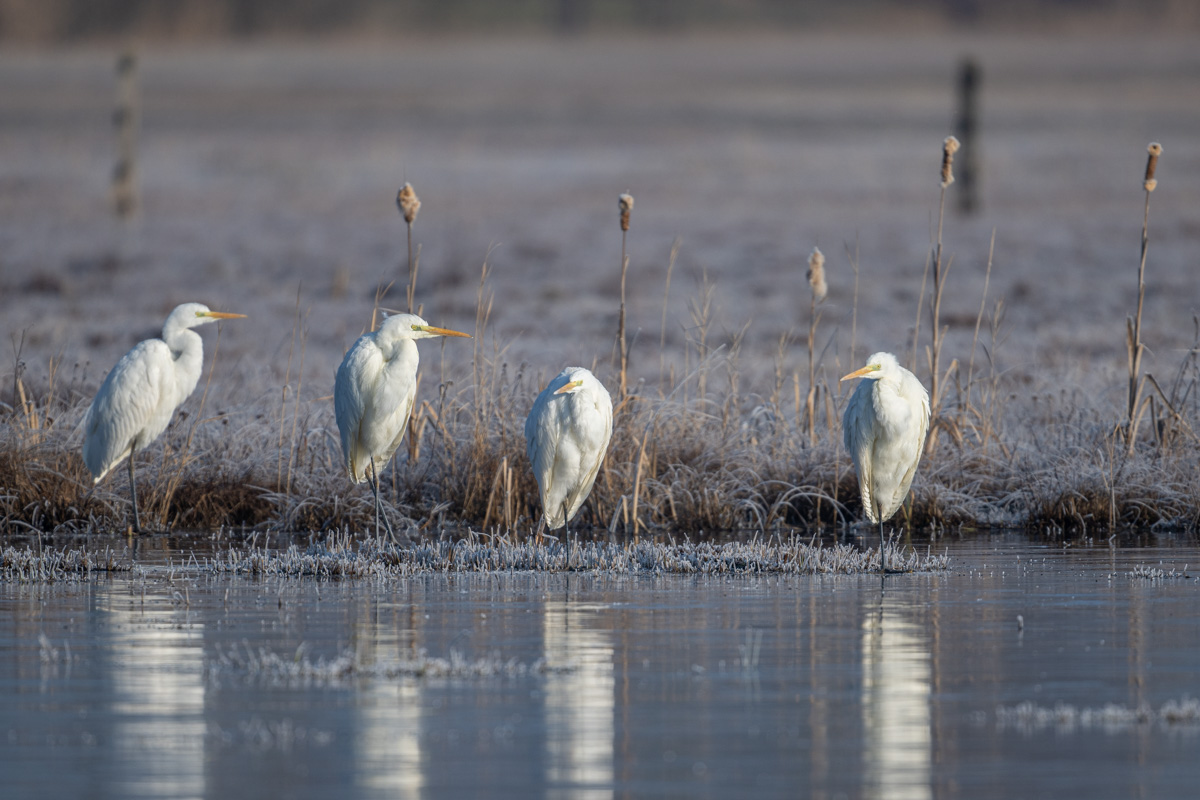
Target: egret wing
<point x="859" y="431"/>
<point x="913" y="443"/>
<point x="125" y="405"/>
<point x="542" y="434"/>
<point x="594" y="422"/>
<point x="394" y="424"/>
<point x="349" y="406"/>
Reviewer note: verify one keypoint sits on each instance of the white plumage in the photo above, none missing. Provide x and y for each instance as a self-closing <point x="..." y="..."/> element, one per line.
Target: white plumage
<point x="884" y="429"/>
<point x="566" y="437"/>
<point x="374" y="392"/>
<point x="135" y="403"/>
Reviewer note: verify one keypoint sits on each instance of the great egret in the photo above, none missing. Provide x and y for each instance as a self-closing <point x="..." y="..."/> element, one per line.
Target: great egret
<point x="884" y="429"/>
<point x="374" y="392"/>
<point x="136" y="400"/>
<point x="566" y="436"/>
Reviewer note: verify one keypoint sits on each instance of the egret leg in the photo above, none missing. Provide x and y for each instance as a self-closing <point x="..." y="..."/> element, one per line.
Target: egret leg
<point x="541" y="528"/>
<point x="373" y="479"/>
<point x="882" y="552"/>
<point x="137" y="522"/>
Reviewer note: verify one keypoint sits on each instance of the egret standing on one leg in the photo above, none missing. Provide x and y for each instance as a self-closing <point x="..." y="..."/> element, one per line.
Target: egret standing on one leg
<point x="374" y="392"/>
<point x="884" y="429"/>
<point x="566" y="436"/>
<point x="136" y="400"/>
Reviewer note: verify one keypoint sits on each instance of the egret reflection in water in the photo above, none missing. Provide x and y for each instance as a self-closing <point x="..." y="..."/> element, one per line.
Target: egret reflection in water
<point x="388" y="740"/>
<point x="579" y="704"/>
<point x="896" y="696"/>
<point x="158" y="699"/>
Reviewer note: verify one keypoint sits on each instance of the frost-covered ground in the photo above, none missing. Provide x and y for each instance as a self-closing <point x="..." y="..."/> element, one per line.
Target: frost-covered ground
<point x="271" y="170"/>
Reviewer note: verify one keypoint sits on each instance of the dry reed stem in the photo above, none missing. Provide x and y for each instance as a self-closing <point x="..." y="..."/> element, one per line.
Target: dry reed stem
<point x="409" y="204"/>
<point x="853" y="258"/>
<point x="1133" y="326"/>
<point x="625" y="206"/>
<point x="816" y="281"/>
<point x="662" y="336"/>
<point x="967" y="406"/>
<point x="934" y="352"/>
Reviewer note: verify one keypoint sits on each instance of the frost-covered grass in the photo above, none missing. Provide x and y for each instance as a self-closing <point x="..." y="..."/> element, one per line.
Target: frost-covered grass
<point x="1113" y="717"/>
<point x="299" y="670"/>
<point x="49" y="564"/>
<point x="1152" y="573"/>
<point x="497" y="554"/>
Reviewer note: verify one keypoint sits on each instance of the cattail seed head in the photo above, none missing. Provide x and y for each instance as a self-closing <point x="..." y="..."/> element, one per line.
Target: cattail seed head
<point x="1155" y="150"/>
<point x="408" y="203"/>
<point x="625" y="203"/>
<point x="949" y="148"/>
<point x="816" y="274"/>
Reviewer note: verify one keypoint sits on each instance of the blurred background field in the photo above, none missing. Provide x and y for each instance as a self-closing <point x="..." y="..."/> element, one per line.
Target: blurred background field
<point x="273" y="137"/>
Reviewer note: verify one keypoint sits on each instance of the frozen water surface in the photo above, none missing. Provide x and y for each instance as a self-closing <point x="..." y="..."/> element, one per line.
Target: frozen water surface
<point x="1026" y="670"/>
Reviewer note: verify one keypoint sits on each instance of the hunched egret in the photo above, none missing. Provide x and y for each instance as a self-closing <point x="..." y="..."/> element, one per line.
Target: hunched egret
<point x="884" y="429"/>
<point x="373" y="395"/>
<point x="566" y="436"/>
<point x="135" y="403"/>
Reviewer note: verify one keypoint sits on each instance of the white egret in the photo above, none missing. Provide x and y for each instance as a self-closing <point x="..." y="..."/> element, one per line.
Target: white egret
<point x="884" y="429"/>
<point x="136" y="400"/>
<point x="566" y="436"/>
<point x="374" y="392"/>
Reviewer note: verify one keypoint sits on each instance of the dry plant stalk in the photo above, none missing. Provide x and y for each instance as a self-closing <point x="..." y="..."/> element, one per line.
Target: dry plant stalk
<point x="701" y="312"/>
<point x="625" y="205"/>
<point x="853" y="258"/>
<point x="934" y="354"/>
<point x="816" y="281"/>
<point x="409" y="204"/>
<point x="287" y="385"/>
<point x="967" y="406"/>
<point x="662" y="334"/>
<point x="1133" y="325"/>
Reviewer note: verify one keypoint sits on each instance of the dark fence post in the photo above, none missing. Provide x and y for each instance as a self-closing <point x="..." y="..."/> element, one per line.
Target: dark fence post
<point x="967" y="128"/>
<point x="125" y="119"/>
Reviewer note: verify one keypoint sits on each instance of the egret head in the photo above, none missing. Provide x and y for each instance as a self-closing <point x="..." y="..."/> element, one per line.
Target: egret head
<point x="410" y="326"/>
<point x="572" y="379"/>
<point x="189" y="315"/>
<point x="880" y="365"/>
